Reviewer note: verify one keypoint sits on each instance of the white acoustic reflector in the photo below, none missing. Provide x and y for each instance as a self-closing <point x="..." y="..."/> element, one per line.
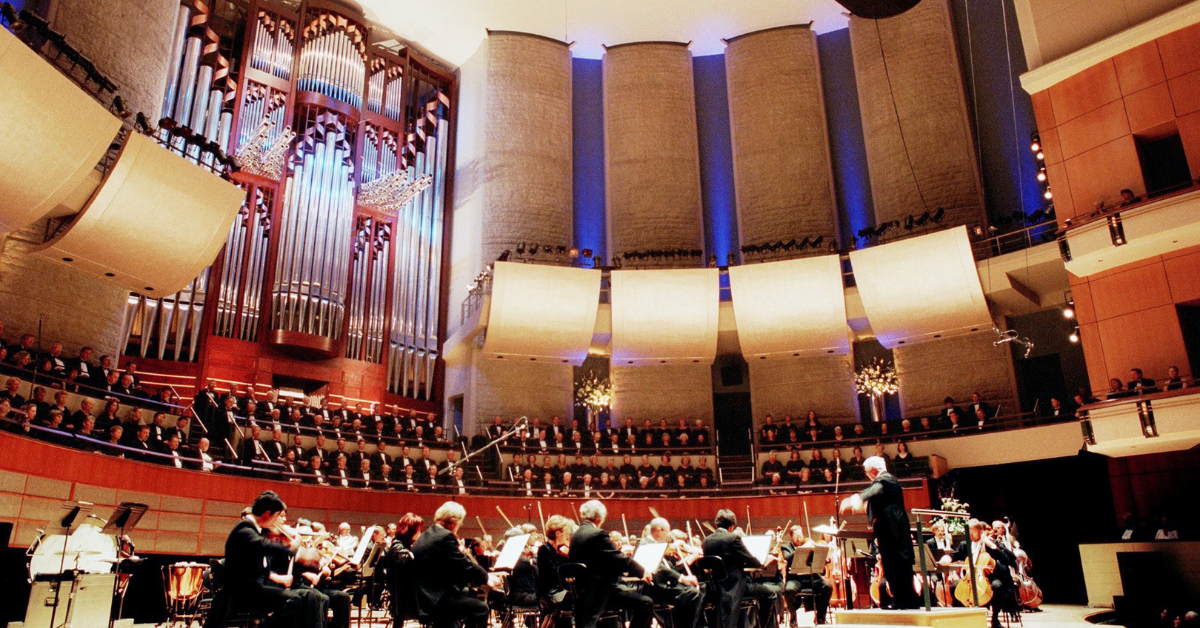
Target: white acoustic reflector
<point x="53" y="135"/>
<point x="542" y="312"/>
<point x="155" y="223"/>
<point x="793" y="308"/>
<point x="665" y="316"/>
<point x="921" y="288"/>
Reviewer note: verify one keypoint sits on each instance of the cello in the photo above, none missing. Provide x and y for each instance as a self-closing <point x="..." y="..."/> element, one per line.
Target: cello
<point x="984" y="565"/>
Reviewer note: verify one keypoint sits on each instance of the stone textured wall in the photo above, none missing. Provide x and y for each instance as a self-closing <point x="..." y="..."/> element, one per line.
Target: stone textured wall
<point x="796" y="385"/>
<point x="915" y="121"/>
<point x="529" y="172"/>
<point x="955" y="367"/>
<point x="652" y="155"/>
<point x="129" y="40"/>
<point x="511" y="388"/>
<point x="663" y="391"/>
<point x="74" y="308"/>
<point x="781" y="163"/>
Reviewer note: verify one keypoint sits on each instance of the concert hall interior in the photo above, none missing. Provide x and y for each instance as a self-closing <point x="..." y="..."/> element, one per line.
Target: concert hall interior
<point x="542" y="313"/>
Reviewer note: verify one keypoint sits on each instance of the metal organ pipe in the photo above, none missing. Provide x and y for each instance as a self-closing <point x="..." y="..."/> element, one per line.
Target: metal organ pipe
<point x="177" y="47"/>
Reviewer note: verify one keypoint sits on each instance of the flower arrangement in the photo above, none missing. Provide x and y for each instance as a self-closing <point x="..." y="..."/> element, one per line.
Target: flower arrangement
<point x="593" y="393"/>
<point x="955" y="525"/>
<point x="876" y="379"/>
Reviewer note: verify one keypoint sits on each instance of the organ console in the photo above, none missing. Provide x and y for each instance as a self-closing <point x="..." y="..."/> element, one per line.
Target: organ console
<point x="343" y="138"/>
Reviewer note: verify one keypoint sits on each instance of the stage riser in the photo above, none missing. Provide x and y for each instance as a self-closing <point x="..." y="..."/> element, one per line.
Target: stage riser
<point x="935" y="618"/>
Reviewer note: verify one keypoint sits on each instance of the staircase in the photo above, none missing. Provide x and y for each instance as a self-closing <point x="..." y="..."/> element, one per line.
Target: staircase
<point x="736" y="470"/>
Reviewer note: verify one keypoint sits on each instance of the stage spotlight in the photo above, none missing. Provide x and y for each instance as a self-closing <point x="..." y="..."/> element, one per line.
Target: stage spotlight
<point x="505" y="255"/>
<point x="521" y="247"/>
<point x="817" y="241"/>
<point x="1074" y="337"/>
<point x="1036" y="144"/>
<point x="1068" y="312"/>
<point x="908" y="222"/>
<point x="1048" y="194"/>
<point x="562" y="248"/>
<point x="616" y="262"/>
<point x="574" y="252"/>
<point x="939" y="214"/>
<point x="1041" y="156"/>
<point x="712" y="260"/>
<point x="1041" y="175"/>
<point x="730" y="260"/>
<point x="587" y="252"/>
<point x="533" y="248"/>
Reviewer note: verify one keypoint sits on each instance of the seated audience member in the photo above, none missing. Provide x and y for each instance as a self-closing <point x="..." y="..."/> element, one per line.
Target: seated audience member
<point x="1058" y="410"/>
<point x="39" y="399"/>
<point x="275" y="447"/>
<point x="158" y="429"/>
<point x="794" y="466"/>
<point x="252" y="448"/>
<point x="87" y="429"/>
<point x="838" y="433"/>
<point x="1127" y="197"/>
<point x="1116" y="389"/>
<point x="204" y="460"/>
<point x="11" y="388"/>
<point x="1174" y="382"/>
<point x="926" y="424"/>
<point x="100" y="375"/>
<point x="978" y="404"/>
<point x="86" y="407"/>
<point x="981" y="418"/>
<point x="903" y="462"/>
<point x="340" y="474"/>
<point x="905" y="426"/>
<point x="175" y="455"/>
<point x="950" y="407"/>
<point x="143" y="444"/>
<point x="82" y="364"/>
<point x="954" y="420"/>
<point x="116" y="434"/>
<point x="60" y="404"/>
<point x="1139" y="383"/>
<point x="859" y="430"/>
<point x="818" y="463"/>
<point x="25" y="343"/>
<point x="768" y="434"/>
<point x="772" y="466"/>
<point x="316" y="473"/>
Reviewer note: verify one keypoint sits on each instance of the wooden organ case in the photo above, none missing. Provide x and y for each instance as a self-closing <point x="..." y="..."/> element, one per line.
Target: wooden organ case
<point x="333" y="276"/>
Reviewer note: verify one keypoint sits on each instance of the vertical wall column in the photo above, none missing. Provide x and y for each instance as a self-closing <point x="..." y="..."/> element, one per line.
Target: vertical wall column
<point x="528" y="185"/>
<point x="781" y="164"/>
<point x="652" y="155"/>
<point x="920" y="146"/>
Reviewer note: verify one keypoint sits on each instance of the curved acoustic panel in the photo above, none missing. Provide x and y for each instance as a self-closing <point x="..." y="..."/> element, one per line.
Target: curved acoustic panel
<point x="155" y="223"/>
<point x="52" y="137"/>
<point x="791" y="308"/>
<point x="921" y="288"/>
<point x="665" y="316"/>
<point x="542" y="312"/>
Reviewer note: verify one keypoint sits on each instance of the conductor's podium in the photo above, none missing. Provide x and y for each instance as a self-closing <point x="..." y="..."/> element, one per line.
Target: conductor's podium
<point x="934" y="618"/>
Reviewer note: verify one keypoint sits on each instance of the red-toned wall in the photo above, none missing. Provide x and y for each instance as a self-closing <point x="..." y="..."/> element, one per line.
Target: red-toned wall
<point x="192" y="511"/>
<point x="1088" y="122"/>
<point x="1155" y="485"/>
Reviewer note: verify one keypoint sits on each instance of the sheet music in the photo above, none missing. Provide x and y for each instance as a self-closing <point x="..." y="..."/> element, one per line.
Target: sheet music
<point x="649" y="555"/>
<point x="510" y="553"/>
<point x="759" y="546"/>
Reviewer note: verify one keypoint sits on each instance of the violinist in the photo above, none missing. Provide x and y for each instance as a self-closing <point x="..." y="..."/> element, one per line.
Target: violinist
<point x="674" y="584"/>
<point x="445" y="571"/>
<point x="822" y="592"/>
<point x="729" y="547"/>
<point x="313" y="571"/>
<point x="248" y="581"/>
<point x="1000" y="579"/>
<point x="606" y="564"/>
<point x="522" y="583"/>
<point x="551" y="555"/>
<point x="402" y="579"/>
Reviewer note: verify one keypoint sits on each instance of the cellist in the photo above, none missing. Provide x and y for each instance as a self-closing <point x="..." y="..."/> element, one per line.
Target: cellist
<point x="1000" y="578"/>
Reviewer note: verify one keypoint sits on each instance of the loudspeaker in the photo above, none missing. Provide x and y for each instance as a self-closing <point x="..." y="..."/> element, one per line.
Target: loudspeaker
<point x="90" y="608"/>
<point x="878" y="9"/>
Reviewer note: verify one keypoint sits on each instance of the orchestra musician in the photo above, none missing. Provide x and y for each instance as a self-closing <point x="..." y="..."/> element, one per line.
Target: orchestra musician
<point x="1003" y="587"/>
<point x="674" y="584"/>
<point x="402" y="580"/>
<point x="593" y="547"/>
<point x="445" y="570"/>
<point x="822" y="592"/>
<point x="727" y="546"/>
<point x="883" y="501"/>
<point x="248" y="581"/>
<point x="552" y="555"/>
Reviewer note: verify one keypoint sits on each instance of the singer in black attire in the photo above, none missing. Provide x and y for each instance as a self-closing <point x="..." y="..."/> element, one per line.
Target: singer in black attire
<point x="884" y="504"/>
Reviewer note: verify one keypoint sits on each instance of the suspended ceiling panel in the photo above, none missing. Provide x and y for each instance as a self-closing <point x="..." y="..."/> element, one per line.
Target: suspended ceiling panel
<point x="921" y="288"/>
<point x="155" y="223"/>
<point x="541" y="312"/>
<point x="53" y="135"/>
<point x="665" y="316"/>
<point x="791" y="308"/>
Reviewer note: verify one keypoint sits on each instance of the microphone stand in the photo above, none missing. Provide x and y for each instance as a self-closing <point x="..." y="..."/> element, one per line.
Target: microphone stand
<point x="513" y="430"/>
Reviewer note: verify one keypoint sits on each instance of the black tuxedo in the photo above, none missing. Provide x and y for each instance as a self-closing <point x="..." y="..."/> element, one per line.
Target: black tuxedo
<point x="737" y="585"/>
<point x="247" y="556"/>
<point x="444" y="573"/>
<point x="606" y="564"/>
<point x="1001" y="580"/>
<point x="893" y="538"/>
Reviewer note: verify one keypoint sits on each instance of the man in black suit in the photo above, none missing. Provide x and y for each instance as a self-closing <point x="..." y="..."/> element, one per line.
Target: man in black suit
<point x="445" y="571"/>
<point x="883" y="501"/>
<point x="606" y="564"/>
<point x="249" y="584"/>
<point x="671" y="587"/>
<point x="1139" y="383"/>
<point x="977" y="404"/>
<point x="727" y="546"/>
<point x="1001" y="580"/>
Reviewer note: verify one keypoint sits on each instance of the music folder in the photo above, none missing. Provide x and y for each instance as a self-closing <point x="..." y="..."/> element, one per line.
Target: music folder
<point x="510" y="553"/>
<point x="649" y="555"/>
<point x="759" y="547"/>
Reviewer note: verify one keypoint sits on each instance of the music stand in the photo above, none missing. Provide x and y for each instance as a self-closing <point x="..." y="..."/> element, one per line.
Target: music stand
<point x="808" y="561"/>
<point x="73" y="515"/>
<point x="124" y="518"/>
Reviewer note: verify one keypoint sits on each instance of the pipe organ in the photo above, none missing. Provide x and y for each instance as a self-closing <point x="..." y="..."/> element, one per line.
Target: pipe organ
<point x="342" y="136"/>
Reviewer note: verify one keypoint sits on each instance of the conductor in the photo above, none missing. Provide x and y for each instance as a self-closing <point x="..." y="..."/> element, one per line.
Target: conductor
<point x="883" y="501"/>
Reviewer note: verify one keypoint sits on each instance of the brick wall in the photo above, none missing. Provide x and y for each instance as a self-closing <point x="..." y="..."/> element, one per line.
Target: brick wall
<point x="914" y="111"/>
<point x="796" y="385"/>
<point x="662" y="391"/>
<point x="528" y="182"/>
<point x="955" y="367"/>
<point x="652" y="155"/>
<point x="781" y="163"/>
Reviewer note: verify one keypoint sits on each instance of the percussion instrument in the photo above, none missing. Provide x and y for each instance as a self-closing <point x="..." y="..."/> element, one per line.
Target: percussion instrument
<point x="183" y="583"/>
<point x="86" y="551"/>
